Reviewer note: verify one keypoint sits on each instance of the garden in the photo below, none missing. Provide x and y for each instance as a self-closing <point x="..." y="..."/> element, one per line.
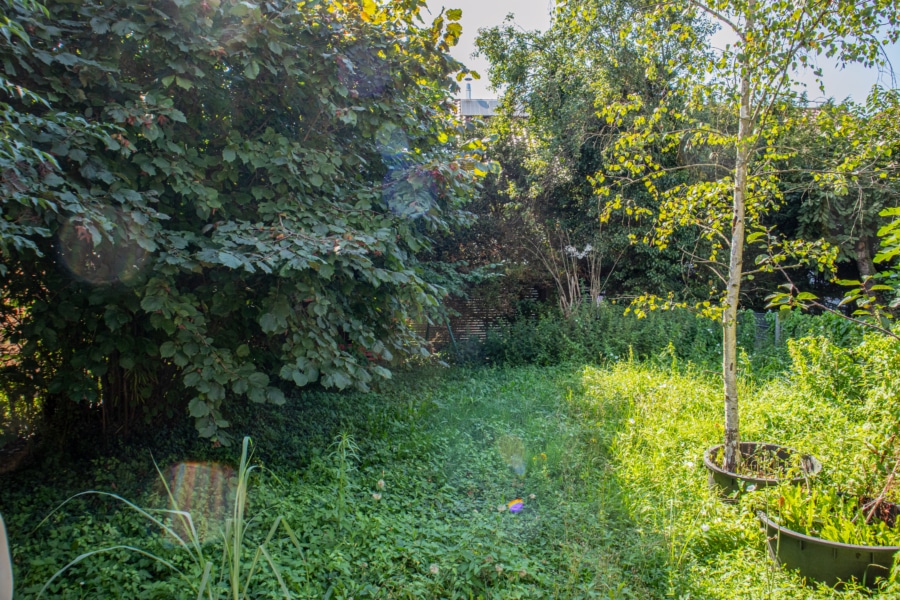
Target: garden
<point x="276" y="322"/>
<point x="406" y="492"/>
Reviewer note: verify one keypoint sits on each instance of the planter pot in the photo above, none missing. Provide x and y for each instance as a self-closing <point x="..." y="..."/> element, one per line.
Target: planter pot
<point x="826" y="561"/>
<point x="730" y="484"/>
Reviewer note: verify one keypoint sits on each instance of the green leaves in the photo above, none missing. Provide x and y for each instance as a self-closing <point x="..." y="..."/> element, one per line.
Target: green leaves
<point x="251" y="70"/>
<point x="198" y="408"/>
<point x="890" y="237"/>
<point x="213" y="175"/>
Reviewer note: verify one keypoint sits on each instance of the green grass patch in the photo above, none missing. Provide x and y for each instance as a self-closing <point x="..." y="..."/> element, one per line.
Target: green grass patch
<point x="404" y="493"/>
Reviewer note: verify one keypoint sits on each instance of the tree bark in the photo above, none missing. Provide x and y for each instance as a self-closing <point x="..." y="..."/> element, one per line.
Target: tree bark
<point x="864" y="261"/>
<point x="866" y="267"/>
<point x="731" y="459"/>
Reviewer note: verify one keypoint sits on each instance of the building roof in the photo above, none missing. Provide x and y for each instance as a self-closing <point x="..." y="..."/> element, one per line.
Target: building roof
<point x="478" y="108"/>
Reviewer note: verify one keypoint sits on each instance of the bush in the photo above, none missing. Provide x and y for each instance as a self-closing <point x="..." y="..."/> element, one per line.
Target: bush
<point x="597" y="334"/>
<point x="838" y="330"/>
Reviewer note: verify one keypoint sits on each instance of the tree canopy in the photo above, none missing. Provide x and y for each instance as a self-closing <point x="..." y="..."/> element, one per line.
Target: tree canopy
<point x="552" y="139"/>
<point x="729" y="111"/>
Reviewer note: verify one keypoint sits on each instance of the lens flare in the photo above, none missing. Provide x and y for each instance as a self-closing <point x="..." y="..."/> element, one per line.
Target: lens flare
<point x="409" y="192"/>
<point x="512" y="449"/>
<point x="101" y="252"/>
<point x="367" y="75"/>
<point x="393" y="145"/>
<point x="408" y="189"/>
<point x="205" y="491"/>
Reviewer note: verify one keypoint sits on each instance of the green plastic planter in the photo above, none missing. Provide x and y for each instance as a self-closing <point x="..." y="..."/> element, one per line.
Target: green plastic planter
<point x="825" y="561"/>
<point x="731" y="484"/>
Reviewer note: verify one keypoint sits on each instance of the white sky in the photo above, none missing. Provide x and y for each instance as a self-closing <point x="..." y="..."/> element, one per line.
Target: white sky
<point x="854" y="81"/>
<point x="530" y="15"/>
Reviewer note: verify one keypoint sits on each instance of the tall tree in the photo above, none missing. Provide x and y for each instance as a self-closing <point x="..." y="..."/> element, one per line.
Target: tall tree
<point x="552" y="139"/>
<point x="847" y="174"/>
<point x="845" y="182"/>
<point x="213" y="191"/>
<point x="748" y="85"/>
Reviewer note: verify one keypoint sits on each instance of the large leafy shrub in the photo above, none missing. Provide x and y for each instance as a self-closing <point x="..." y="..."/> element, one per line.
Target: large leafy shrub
<point x="201" y="195"/>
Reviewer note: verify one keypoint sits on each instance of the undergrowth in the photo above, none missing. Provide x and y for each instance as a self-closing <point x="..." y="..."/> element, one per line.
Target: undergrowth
<point x="405" y="493"/>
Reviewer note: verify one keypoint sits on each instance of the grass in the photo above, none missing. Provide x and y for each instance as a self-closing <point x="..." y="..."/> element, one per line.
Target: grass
<point x="403" y="493"/>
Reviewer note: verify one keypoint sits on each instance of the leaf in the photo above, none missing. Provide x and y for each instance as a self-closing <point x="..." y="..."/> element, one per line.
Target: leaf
<point x="755" y="236"/>
<point x="370" y="9"/>
<point x="206" y="427"/>
<point x="99" y="26"/>
<point x="299" y="378"/>
<point x="229" y="260"/>
<point x="198" y="408"/>
<point x="269" y="323"/>
<point x="258" y="379"/>
<point x="167" y="349"/>
<point x="340" y="380"/>
<point x="275" y="396"/>
<point x="228" y="155"/>
<point x="251" y="70"/>
<point x="454" y="14"/>
<point x="326" y="271"/>
<point x="122" y="28"/>
<point x="78" y="155"/>
<point x="240" y="9"/>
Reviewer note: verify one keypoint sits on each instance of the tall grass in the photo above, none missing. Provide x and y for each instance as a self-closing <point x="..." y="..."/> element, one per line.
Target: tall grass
<point x="657" y="423"/>
<point x="234" y="577"/>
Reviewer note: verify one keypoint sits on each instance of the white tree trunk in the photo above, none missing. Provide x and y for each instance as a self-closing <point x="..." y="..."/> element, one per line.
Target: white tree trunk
<point x="732" y="455"/>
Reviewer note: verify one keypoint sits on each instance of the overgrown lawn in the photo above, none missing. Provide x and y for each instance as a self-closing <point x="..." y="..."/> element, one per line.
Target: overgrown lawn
<point x="404" y="493"/>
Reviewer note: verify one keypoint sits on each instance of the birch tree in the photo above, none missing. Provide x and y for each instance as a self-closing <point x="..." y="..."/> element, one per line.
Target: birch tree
<point x="724" y="118"/>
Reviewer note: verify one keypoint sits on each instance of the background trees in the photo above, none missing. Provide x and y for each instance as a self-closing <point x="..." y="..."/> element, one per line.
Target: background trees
<point x="221" y="197"/>
<point x="552" y="138"/>
<point x="732" y="112"/>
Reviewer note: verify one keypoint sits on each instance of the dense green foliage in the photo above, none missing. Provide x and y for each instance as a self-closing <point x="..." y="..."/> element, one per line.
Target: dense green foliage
<point x="216" y="200"/>
<point x="403" y="493"/>
<point x="542" y="209"/>
<point x="207" y="201"/>
<point x="728" y="113"/>
<point x="632" y="93"/>
<point x="606" y="334"/>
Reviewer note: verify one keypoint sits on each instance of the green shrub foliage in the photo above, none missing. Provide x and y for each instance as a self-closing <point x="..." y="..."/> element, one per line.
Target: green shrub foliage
<point x="207" y="201"/>
<point x="600" y="334"/>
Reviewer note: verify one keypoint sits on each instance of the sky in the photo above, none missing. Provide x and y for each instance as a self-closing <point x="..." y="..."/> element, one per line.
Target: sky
<point x="854" y="81"/>
<point x="530" y="15"/>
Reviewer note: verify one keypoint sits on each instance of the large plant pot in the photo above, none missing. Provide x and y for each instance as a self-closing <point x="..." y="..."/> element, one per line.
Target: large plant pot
<point x="731" y="484"/>
<point x="825" y="561"/>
